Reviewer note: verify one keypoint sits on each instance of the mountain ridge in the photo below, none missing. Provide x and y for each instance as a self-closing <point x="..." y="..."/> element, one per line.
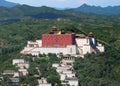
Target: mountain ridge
<point x="89" y="9"/>
<point x="25" y="10"/>
<point x="4" y="3"/>
<point x="109" y="10"/>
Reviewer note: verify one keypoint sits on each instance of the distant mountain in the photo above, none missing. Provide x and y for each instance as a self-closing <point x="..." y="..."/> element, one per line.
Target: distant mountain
<point x="4" y="3"/>
<point x="110" y="10"/>
<point x="25" y="11"/>
<point x="29" y="11"/>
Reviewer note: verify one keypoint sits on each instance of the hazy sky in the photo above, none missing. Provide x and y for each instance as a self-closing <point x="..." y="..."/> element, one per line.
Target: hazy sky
<point x="67" y="3"/>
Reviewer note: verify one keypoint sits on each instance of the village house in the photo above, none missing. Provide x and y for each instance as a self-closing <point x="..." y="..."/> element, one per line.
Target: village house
<point x="16" y="74"/>
<point x="23" y="72"/>
<point x="72" y="81"/>
<point x="43" y="82"/>
<point x="14" y="81"/>
<point x="65" y="70"/>
<point x="8" y="72"/>
<point x="23" y="65"/>
<point x="55" y="65"/>
<point x="17" y="61"/>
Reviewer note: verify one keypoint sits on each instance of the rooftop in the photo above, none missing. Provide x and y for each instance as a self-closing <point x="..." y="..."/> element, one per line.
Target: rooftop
<point x="8" y="71"/>
<point x="73" y="78"/>
<point x="14" y="80"/>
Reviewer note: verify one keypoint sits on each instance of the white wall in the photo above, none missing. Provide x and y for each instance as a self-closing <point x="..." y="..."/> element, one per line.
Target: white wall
<point x="72" y="49"/>
<point x="86" y="49"/>
<point x="23" y="71"/>
<point x="26" y="49"/>
<point x="39" y="42"/>
<point x="16" y="61"/>
<point x="51" y="50"/>
<point x="41" y="50"/>
<point x="101" y="48"/>
<point x="44" y="85"/>
<point x="70" y="75"/>
<point x="22" y="65"/>
<point x="82" y="47"/>
<point x="81" y="41"/>
<point x="67" y="71"/>
<point x="55" y="65"/>
<point x="62" y="77"/>
<point x="73" y="82"/>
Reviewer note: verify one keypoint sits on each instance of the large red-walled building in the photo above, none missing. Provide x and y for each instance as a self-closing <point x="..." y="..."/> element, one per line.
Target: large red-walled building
<point x="57" y="39"/>
<point x="66" y="43"/>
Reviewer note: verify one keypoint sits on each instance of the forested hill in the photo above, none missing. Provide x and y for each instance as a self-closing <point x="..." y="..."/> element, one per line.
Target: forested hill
<point x="110" y="10"/>
<point x="105" y="28"/>
<point x="44" y="12"/>
<point x="29" y="11"/>
<point x="22" y="23"/>
<point x="4" y="3"/>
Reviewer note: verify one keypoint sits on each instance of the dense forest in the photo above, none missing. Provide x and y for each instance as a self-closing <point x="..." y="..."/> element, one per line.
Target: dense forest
<point x="99" y="70"/>
<point x="94" y="70"/>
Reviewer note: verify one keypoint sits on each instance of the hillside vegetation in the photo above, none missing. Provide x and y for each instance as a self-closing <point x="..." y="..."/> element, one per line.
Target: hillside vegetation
<point x="22" y="23"/>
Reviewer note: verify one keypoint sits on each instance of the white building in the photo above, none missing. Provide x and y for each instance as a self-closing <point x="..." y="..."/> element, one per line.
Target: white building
<point x="63" y="76"/>
<point x="55" y="65"/>
<point x="67" y="72"/>
<point x="16" y="74"/>
<point x="61" y="69"/>
<point x="17" y="61"/>
<point x="67" y="61"/>
<point x="8" y="72"/>
<point x="23" y="65"/>
<point x="23" y="72"/>
<point x="43" y="82"/>
<point x="43" y="50"/>
<point x="73" y="82"/>
<point x="82" y="46"/>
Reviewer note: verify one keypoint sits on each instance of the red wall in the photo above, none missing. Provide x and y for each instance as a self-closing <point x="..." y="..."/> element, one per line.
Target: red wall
<point x="57" y="40"/>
